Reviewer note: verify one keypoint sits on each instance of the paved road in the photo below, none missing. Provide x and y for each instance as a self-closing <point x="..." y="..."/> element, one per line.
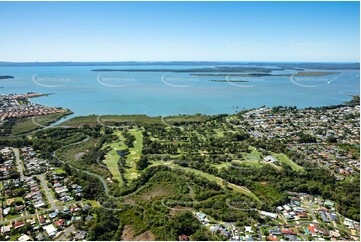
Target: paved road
<point x="18" y="163"/>
<point x="47" y="191"/>
<point x="65" y="234"/>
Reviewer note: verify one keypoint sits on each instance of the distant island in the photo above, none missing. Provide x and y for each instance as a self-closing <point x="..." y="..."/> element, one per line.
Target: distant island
<point x="6" y="77"/>
<point x="303" y="73"/>
<point x="214" y="69"/>
<point x="228" y="81"/>
<point x="245" y="71"/>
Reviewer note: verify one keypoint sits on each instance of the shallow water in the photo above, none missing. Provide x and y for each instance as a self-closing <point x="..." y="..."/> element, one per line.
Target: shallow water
<point x="165" y="93"/>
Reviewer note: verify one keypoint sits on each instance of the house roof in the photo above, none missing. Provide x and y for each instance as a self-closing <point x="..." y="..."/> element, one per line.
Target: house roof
<point x="60" y="222"/>
<point x="311" y="228"/>
<point x="19" y="224"/>
<point x="272" y="237"/>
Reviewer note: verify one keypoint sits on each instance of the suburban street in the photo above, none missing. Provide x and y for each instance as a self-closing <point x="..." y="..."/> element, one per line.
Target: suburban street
<point x="18" y="162"/>
<point x="65" y="234"/>
<point x="47" y="191"/>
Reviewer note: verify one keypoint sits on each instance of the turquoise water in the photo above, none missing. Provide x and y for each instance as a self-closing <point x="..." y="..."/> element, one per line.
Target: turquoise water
<point x="164" y="93"/>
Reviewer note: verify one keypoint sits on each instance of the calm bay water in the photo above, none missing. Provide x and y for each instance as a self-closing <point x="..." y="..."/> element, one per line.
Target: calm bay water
<point x="165" y="93"/>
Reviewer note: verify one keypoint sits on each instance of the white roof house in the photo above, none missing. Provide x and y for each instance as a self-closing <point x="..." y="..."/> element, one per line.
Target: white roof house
<point x="6" y="229"/>
<point x="248" y="229"/>
<point x="24" y="237"/>
<point x="50" y="229"/>
<point x="267" y="214"/>
<point x="287" y="208"/>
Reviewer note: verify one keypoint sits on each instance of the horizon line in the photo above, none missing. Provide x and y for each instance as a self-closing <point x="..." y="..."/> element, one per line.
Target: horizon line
<point x="148" y="61"/>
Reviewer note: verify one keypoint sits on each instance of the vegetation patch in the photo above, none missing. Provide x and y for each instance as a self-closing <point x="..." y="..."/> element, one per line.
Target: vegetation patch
<point x="26" y="125"/>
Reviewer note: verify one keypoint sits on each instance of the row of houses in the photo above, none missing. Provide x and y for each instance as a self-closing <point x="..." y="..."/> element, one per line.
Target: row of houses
<point x="7" y="163"/>
<point x="19" y="106"/>
<point x="35" y="195"/>
<point x="227" y="231"/>
<point x="32" y="163"/>
<point x="328" y="127"/>
<point x="50" y="225"/>
<point x="64" y="193"/>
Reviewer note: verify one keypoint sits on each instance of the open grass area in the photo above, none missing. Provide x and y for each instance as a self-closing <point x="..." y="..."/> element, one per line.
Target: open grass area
<point x="93" y="203"/>
<point x="222" y="165"/>
<point x="283" y="159"/>
<point x="58" y="171"/>
<point x="254" y="159"/>
<point x="254" y="155"/>
<point x="73" y="153"/>
<point x="26" y="125"/>
<point x="254" y="163"/>
<point x="157" y="191"/>
<point x="208" y="176"/>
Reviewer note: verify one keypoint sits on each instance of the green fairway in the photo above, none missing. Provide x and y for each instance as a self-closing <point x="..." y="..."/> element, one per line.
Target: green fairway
<point x="112" y="157"/>
<point x="134" y="155"/>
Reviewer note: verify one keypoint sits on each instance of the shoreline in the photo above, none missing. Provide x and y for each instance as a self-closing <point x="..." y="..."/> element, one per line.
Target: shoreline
<point x="93" y="118"/>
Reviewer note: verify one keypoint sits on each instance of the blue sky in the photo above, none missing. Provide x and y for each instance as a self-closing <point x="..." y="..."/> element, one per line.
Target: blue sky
<point x="175" y="31"/>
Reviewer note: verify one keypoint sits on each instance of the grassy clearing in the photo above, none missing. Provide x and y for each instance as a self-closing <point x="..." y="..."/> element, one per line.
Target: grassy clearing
<point x="282" y="158"/>
<point x="254" y="163"/>
<point x="59" y="171"/>
<point x="254" y="155"/>
<point x="222" y="165"/>
<point x="219" y="133"/>
<point x="208" y="176"/>
<point x="254" y="158"/>
<point x="75" y="152"/>
<point x="157" y="191"/>
<point x="26" y="125"/>
<point x="93" y="203"/>
<point x="250" y="159"/>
